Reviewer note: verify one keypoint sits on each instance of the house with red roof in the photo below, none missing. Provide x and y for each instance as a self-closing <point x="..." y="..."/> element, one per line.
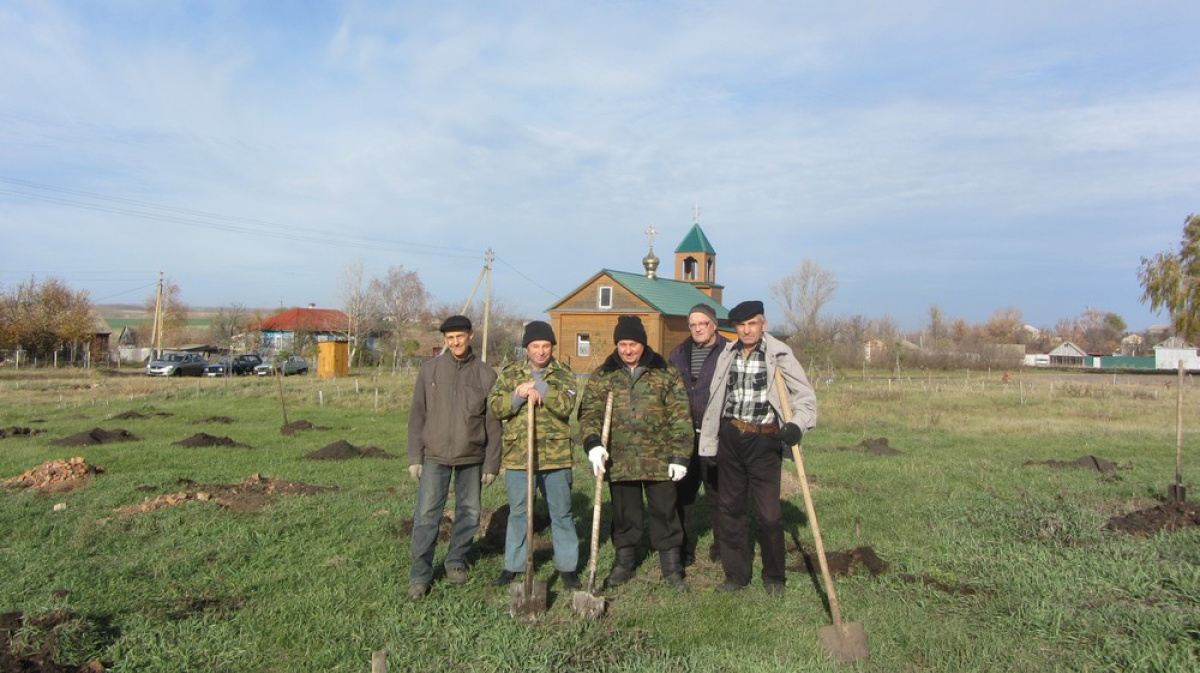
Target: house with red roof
<point x="297" y="327"/>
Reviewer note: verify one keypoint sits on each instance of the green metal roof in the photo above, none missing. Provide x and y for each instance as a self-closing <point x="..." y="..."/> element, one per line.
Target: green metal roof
<point x="696" y="241"/>
<point x="670" y="297"/>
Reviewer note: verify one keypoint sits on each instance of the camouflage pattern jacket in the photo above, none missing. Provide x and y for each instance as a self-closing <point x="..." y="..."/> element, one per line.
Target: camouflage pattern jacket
<point x="651" y="425"/>
<point x="552" y="420"/>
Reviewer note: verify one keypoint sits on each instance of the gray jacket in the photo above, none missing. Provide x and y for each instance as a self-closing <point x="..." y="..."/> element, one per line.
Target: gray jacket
<point x="449" y="422"/>
<point x="802" y="399"/>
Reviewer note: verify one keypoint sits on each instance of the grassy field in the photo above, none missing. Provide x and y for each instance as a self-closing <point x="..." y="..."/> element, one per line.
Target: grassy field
<point x="994" y="564"/>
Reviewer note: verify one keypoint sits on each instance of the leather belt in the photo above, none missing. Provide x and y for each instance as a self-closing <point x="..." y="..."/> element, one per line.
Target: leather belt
<point x="768" y="429"/>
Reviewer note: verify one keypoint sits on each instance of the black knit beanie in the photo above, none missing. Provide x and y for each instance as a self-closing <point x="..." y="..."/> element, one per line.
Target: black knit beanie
<point x="538" y="330"/>
<point x="629" y="328"/>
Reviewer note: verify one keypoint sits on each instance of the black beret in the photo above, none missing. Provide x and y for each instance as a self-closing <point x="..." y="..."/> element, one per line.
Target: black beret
<point x="538" y="330"/>
<point x="745" y="311"/>
<point x="456" y="323"/>
<point x="629" y="328"/>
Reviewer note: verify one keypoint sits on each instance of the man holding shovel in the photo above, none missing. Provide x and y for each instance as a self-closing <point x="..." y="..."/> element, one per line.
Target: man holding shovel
<point x="451" y="434"/>
<point x="696" y="359"/>
<point x="545" y="382"/>
<point x="650" y="439"/>
<point x="744" y="428"/>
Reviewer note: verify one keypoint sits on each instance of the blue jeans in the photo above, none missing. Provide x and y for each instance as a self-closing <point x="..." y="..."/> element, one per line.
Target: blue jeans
<point x="431" y="501"/>
<point x="555" y="486"/>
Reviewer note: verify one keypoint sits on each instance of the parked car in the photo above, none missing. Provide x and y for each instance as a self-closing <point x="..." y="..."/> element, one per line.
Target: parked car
<point x="176" y="364"/>
<point x="242" y="364"/>
<point x="292" y="364"/>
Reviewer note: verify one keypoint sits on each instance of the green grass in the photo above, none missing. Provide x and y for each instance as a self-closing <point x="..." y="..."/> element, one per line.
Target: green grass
<point x="995" y="565"/>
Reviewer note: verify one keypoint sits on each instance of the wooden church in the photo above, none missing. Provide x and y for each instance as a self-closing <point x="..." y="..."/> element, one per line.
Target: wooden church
<point x="584" y="319"/>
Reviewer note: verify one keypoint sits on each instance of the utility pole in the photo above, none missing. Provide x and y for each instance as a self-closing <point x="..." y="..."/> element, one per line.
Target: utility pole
<point x="156" y="333"/>
<point x="487" y="300"/>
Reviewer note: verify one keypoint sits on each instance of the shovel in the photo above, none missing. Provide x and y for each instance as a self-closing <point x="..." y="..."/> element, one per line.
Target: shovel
<point x="844" y="641"/>
<point x="528" y="598"/>
<point x="587" y="604"/>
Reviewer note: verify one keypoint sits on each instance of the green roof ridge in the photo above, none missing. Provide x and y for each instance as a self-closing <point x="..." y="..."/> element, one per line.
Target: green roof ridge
<point x="666" y="295"/>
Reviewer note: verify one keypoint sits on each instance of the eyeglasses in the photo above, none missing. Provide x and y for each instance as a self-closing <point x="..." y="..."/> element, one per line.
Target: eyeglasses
<point x="700" y="325"/>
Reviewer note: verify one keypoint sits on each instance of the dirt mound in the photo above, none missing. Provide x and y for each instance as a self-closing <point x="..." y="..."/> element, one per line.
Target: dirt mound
<point x="251" y="495"/>
<point x="33" y="644"/>
<point x="875" y="446"/>
<point x="343" y="450"/>
<point x="1163" y="518"/>
<point x="841" y="562"/>
<point x="205" y="439"/>
<point x="55" y="475"/>
<point x="300" y="426"/>
<point x="96" y="436"/>
<point x="1086" y="462"/>
<point x="14" y="431"/>
<point x="137" y="415"/>
<point x="215" y="419"/>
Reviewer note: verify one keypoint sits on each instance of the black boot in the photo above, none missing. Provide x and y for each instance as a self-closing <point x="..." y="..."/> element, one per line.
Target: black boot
<point x="622" y="570"/>
<point x="672" y="568"/>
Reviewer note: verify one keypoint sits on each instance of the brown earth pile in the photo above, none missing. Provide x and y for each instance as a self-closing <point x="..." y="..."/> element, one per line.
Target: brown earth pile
<point x="205" y="439"/>
<point x="137" y="415"/>
<point x="343" y="450"/>
<point x="300" y="426"/>
<point x="55" y="475"/>
<point x="1167" y="517"/>
<point x="875" y="446"/>
<point x="96" y="436"/>
<point x="215" y="419"/>
<point x="1085" y="462"/>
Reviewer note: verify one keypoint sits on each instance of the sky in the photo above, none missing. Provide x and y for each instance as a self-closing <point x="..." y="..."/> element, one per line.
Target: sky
<point x="975" y="156"/>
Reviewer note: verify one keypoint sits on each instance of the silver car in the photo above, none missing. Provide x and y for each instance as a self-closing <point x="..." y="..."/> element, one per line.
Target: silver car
<point x="176" y="364"/>
<point x="292" y="364"/>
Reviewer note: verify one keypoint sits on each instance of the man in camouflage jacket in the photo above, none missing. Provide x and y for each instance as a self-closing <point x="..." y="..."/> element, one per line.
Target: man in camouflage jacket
<point x="649" y="445"/>
<point x="550" y="386"/>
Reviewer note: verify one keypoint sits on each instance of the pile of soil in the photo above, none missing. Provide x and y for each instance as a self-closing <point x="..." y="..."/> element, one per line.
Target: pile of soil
<point x="38" y="647"/>
<point x="840" y="562"/>
<point x="251" y="495"/>
<point x="55" y="475"/>
<point x="875" y="446"/>
<point x="137" y="415"/>
<point x="14" y="431"/>
<point x="1167" y="517"/>
<point x="1086" y="462"/>
<point x="298" y="426"/>
<point x="343" y="450"/>
<point x="96" y="436"/>
<point x="215" y="419"/>
<point x="205" y="439"/>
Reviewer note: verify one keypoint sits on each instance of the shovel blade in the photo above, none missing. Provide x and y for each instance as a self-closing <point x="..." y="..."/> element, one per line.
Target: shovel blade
<point x="587" y="606"/>
<point x="1176" y="493"/>
<point x="845" y="642"/>
<point x="527" y="604"/>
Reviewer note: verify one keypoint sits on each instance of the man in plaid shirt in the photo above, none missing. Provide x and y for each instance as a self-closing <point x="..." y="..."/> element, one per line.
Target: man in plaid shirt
<point x="743" y="428"/>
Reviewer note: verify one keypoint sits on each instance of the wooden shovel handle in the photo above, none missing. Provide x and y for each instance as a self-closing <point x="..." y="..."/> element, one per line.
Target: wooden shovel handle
<point x="596" y="500"/>
<point x="529" y="502"/>
<point x="834" y="610"/>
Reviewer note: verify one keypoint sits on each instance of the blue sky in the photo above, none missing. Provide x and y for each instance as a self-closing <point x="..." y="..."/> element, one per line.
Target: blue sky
<point x="976" y="156"/>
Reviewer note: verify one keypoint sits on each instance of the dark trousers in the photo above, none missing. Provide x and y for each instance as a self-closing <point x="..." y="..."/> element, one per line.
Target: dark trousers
<point x="628" y="511"/>
<point x="687" y="489"/>
<point x="749" y="464"/>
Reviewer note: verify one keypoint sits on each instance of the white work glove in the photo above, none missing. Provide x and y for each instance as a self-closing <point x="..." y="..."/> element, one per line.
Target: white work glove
<point x="597" y="456"/>
<point x="414" y="471"/>
<point x="676" y="472"/>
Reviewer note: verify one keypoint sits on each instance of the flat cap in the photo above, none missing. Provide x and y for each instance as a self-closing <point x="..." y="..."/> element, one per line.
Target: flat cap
<point x="456" y="323"/>
<point x="745" y="311"/>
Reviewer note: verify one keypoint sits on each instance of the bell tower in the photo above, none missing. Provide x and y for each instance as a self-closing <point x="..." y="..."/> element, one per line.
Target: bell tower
<point x="696" y="261"/>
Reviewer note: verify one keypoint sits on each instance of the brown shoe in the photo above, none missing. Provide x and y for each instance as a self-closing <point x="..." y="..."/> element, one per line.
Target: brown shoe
<point x="417" y="591"/>
<point x="456" y="574"/>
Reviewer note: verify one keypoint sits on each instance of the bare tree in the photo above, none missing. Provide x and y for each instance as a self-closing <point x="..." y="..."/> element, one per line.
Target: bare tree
<point x="401" y="303"/>
<point x="802" y="294"/>
<point x="357" y="305"/>
<point x="229" y="327"/>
